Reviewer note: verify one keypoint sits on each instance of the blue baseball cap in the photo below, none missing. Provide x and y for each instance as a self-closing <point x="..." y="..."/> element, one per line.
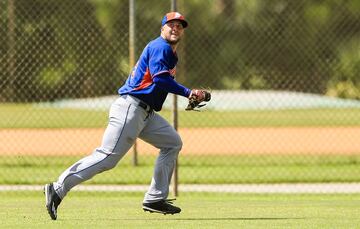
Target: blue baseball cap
<point x="174" y="16"/>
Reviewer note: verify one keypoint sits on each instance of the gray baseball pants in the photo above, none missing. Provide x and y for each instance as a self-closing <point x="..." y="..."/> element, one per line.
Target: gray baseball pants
<point x="128" y="121"/>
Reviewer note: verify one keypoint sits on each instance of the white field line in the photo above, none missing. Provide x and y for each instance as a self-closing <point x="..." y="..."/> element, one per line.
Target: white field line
<point x="223" y="188"/>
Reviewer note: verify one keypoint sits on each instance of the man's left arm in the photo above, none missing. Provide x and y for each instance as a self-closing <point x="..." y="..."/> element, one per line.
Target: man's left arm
<point x="167" y="83"/>
<point x="195" y="96"/>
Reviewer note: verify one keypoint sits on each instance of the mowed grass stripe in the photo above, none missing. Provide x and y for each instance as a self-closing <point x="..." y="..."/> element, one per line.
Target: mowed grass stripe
<point x="29" y="116"/>
<point x="231" y="169"/>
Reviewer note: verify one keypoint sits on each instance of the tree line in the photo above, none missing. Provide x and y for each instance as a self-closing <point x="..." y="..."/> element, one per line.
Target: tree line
<point x="65" y="49"/>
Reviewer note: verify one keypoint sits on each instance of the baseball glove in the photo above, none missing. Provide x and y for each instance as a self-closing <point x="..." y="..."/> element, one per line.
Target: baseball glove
<point x="196" y="97"/>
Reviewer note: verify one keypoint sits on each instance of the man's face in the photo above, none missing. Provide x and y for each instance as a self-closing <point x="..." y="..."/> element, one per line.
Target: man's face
<point x="172" y="31"/>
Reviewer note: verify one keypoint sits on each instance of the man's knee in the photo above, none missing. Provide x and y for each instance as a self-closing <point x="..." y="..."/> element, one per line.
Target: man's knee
<point x="106" y="161"/>
<point x="178" y="143"/>
<point x="173" y="147"/>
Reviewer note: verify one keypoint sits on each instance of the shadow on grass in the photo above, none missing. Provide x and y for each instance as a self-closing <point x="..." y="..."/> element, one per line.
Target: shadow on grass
<point x="220" y="219"/>
<point x="197" y="219"/>
<point x="238" y="218"/>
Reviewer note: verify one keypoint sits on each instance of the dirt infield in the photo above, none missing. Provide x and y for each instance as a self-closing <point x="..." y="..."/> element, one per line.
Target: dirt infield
<point x="314" y="140"/>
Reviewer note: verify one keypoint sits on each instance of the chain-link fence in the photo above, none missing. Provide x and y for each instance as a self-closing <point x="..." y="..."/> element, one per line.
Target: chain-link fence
<point x="284" y="77"/>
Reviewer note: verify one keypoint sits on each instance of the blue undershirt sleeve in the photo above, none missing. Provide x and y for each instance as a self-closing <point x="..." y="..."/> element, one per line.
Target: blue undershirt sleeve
<point x="167" y="83"/>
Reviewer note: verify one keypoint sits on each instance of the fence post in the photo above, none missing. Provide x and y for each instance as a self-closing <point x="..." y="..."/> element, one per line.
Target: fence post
<point x="175" y="122"/>
<point x="132" y="59"/>
<point x="11" y="58"/>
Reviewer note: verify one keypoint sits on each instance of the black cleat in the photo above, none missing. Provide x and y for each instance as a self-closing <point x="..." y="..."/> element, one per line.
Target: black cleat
<point x="162" y="206"/>
<point x="52" y="200"/>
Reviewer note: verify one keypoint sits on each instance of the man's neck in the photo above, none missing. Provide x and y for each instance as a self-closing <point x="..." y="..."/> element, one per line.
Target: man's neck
<point x="173" y="46"/>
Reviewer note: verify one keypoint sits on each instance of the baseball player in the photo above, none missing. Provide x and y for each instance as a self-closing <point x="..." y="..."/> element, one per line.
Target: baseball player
<point x="134" y="115"/>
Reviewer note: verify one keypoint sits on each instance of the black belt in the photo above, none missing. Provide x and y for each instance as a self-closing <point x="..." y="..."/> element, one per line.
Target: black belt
<point x="141" y="104"/>
<point x="145" y="106"/>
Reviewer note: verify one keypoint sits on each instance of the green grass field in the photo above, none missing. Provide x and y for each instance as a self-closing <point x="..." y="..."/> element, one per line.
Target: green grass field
<point x="30" y="116"/>
<point x="194" y="169"/>
<point x="199" y="210"/>
<point x="25" y="209"/>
